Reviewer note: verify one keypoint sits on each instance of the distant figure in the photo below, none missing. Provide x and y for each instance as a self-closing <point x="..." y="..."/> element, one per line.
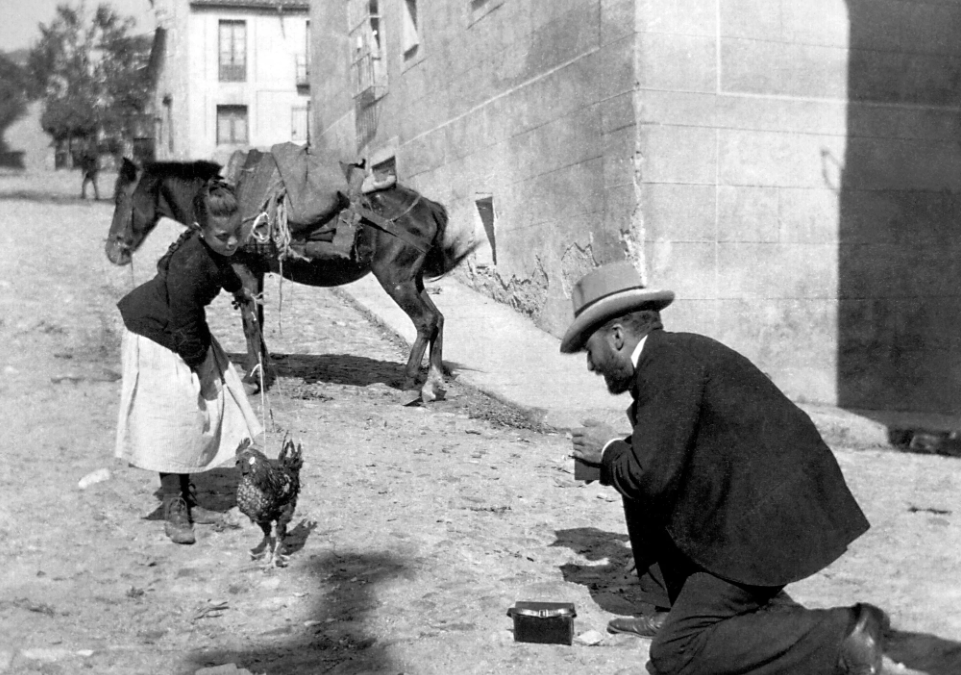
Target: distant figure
<point x="90" y="167"/>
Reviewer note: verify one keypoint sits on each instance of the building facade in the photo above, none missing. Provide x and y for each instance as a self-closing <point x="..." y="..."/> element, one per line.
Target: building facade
<point x="790" y="169"/>
<point x="228" y="74"/>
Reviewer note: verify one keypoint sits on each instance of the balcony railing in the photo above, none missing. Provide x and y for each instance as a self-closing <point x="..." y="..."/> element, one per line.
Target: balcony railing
<point x="302" y="70"/>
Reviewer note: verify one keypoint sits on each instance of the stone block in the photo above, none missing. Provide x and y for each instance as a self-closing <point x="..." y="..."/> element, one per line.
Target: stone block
<point x="619" y="158"/>
<point x="815" y="22"/>
<point x="755" y="19"/>
<point x="747" y="214"/>
<point x="898" y="271"/>
<point x="688" y="268"/>
<point x="887" y="376"/>
<point x="690" y="315"/>
<point x="894" y="164"/>
<point x="617" y="112"/>
<point x="425" y="153"/>
<point x="890" y="77"/>
<point x="911" y="217"/>
<point x="681" y="213"/>
<point x="765" y="271"/>
<point x="783" y="115"/>
<point x="574" y="33"/>
<point x="780" y="159"/>
<point x="543" y="13"/>
<point x="676" y="154"/>
<point x="676" y="107"/>
<point x="620" y="207"/>
<point x="561" y="142"/>
<point x="677" y="62"/>
<point x="683" y="17"/>
<point x="609" y="71"/>
<point x="791" y="340"/>
<point x="783" y="69"/>
<point x="808" y="216"/>
<point x="617" y="19"/>
<point x="560" y="194"/>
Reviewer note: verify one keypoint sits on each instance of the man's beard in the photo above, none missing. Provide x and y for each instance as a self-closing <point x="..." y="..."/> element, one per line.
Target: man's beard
<point x="619" y="381"/>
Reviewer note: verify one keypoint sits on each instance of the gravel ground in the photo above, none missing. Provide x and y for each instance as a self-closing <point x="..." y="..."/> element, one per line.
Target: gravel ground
<point x="417" y="527"/>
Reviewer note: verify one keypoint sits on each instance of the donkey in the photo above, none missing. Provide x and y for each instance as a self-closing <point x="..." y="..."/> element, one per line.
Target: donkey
<point x="144" y="194"/>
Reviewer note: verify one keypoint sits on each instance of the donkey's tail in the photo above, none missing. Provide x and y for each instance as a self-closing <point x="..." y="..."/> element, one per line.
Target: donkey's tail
<point x="448" y="248"/>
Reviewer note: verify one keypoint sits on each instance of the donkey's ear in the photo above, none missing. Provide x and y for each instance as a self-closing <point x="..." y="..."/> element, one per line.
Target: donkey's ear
<point x="128" y="169"/>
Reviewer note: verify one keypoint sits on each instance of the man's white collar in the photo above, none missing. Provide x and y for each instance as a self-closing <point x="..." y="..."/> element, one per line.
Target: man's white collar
<point x="636" y="354"/>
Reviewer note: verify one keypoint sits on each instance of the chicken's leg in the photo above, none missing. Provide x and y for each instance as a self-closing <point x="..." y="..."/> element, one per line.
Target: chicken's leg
<point x="260" y="549"/>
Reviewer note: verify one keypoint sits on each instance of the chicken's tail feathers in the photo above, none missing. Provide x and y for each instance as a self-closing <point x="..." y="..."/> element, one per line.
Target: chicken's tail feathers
<point x="291" y="455"/>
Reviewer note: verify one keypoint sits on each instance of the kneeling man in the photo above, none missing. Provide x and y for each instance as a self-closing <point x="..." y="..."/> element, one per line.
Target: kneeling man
<point x="728" y="489"/>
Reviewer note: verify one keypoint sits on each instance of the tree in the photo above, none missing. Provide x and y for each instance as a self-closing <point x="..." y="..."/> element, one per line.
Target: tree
<point x="90" y="70"/>
<point x="14" y="96"/>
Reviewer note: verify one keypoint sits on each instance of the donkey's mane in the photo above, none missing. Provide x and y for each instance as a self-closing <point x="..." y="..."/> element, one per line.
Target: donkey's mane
<point x="201" y="169"/>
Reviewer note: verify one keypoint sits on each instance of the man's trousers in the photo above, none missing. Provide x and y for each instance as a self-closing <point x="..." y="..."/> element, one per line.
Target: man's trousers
<point x="717" y="627"/>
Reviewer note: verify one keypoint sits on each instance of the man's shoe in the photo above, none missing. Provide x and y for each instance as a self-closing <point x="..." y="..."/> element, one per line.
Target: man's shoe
<point x="645" y="625"/>
<point x="862" y="649"/>
<point x="177" y="525"/>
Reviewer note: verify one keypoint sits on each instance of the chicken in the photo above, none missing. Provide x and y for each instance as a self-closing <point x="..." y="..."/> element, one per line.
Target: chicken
<point x="267" y="494"/>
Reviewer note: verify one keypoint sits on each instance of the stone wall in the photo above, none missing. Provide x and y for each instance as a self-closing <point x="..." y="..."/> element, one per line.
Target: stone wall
<point x="789" y="169"/>
<point x="525" y="104"/>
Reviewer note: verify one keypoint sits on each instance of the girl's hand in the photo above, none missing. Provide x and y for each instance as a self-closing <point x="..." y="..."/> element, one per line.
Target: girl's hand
<point x="244" y="296"/>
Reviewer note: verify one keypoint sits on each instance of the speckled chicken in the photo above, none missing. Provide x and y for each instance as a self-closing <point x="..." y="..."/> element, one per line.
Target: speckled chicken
<point x="267" y="494"/>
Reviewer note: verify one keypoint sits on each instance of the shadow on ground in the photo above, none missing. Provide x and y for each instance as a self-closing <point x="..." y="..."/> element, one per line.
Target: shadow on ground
<point x="614" y="588"/>
<point x="336" y="638"/>
<point x="613" y="585"/>
<point x="344" y="369"/>
<point x="215" y="489"/>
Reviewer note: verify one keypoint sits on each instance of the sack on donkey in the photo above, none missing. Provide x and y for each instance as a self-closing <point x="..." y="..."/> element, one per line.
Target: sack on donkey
<point x="315" y="182"/>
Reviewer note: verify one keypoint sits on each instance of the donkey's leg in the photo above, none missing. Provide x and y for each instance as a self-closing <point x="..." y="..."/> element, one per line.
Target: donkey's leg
<point x="407" y="295"/>
<point x="436" y="357"/>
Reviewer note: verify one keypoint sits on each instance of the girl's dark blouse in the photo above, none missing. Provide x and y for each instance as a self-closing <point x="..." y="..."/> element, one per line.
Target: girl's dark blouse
<point x="170" y="308"/>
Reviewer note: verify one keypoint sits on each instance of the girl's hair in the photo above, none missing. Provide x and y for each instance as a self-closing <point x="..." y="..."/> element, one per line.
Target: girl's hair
<point x="216" y="199"/>
<point x="164" y="261"/>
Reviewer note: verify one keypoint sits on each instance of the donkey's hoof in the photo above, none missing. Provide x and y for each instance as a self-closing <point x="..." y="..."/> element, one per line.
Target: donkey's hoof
<point x="432" y="391"/>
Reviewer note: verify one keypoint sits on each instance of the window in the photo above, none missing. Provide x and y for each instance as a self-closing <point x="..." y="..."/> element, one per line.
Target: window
<point x="231" y="124"/>
<point x="411" y="38"/>
<point x="367" y="60"/>
<point x="485" y="211"/>
<point x="233" y="51"/>
<point x="302" y="62"/>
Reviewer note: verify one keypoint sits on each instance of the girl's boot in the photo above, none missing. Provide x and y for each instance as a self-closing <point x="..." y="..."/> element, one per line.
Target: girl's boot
<point x="177" y="525"/>
<point x="198" y="514"/>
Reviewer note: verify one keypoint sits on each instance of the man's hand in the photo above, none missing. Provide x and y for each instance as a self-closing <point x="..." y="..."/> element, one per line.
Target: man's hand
<point x="590" y="439"/>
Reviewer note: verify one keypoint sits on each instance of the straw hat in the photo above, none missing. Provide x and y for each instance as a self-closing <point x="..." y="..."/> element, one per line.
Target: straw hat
<point x="608" y="292"/>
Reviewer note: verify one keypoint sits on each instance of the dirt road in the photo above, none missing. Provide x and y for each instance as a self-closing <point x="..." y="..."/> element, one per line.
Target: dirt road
<point x="417" y="528"/>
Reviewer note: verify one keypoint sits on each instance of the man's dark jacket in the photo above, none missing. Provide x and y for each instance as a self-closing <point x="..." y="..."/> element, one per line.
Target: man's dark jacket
<point x="736" y="474"/>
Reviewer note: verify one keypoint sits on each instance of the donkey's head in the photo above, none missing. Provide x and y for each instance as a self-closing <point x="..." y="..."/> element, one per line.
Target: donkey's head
<point x="145" y="193"/>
